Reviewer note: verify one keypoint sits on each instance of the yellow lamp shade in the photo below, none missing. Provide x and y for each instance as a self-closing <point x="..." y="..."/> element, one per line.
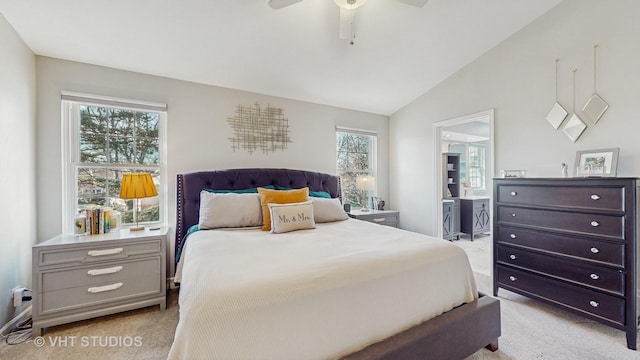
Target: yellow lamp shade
<point x="137" y="186"/>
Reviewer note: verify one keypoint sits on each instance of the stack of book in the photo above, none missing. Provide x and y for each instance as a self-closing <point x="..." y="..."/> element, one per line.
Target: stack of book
<point x="98" y="220"/>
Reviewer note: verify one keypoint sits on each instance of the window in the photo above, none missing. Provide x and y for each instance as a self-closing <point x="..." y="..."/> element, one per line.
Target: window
<point x="476" y="167"/>
<point x="356" y="155"/>
<point x="107" y="138"/>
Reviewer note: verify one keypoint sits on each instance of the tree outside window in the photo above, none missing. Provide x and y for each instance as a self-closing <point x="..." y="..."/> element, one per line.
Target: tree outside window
<point x="355" y="156"/>
<point x="112" y="141"/>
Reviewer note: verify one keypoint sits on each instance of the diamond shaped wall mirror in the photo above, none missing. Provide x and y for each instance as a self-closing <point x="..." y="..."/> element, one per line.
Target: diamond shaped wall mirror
<point x="574" y="127"/>
<point x="594" y="108"/>
<point x="557" y="115"/>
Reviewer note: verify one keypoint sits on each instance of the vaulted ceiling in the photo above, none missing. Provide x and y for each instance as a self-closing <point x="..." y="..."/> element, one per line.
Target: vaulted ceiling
<point x="400" y="51"/>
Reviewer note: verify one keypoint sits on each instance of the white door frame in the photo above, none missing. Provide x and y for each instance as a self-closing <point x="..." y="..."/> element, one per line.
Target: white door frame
<point x="437" y="160"/>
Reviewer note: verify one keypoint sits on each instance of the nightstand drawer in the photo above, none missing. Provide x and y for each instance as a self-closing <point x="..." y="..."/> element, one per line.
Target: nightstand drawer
<point x="104" y="273"/>
<point x="96" y="253"/>
<point x="381" y="217"/>
<point x="389" y="220"/>
<point x="90" y="295"/>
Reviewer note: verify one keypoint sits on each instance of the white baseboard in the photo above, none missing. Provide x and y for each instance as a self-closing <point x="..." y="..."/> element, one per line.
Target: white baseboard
<point x="25" y="314"/>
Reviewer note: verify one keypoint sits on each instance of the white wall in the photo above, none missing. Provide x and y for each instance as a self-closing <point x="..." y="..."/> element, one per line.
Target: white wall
<point x="517" y="79"/>
<point x="197" y="128"/>
<point x="17" y="180"/>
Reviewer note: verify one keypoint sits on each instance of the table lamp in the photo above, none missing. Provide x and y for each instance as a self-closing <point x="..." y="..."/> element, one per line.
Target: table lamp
<point x="365" y="183"/>
<point x="137" y="186"/>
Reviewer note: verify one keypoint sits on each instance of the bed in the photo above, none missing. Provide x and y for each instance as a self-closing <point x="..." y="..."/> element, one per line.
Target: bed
<point x="317" y="297"/>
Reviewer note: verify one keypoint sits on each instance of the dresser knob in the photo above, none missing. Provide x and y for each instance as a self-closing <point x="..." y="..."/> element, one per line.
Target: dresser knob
<point x="513" y="193"/>
<point x="595" y="224"/>
<point x="594" y="303"/>
<point x="595" y="276"/>
<point x="595" y="197"/>
<point x="513" y="278"/>
<point x="595" y="250"/>
<point x="513" y="215"/>
<point x="512" y="257"/>
<point x="513" y="236"/>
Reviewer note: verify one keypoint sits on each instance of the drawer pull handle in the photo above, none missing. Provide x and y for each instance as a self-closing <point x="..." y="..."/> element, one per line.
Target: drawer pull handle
<point x="594" y="303"/>
<point x="512" y="257"/>
<point x="595" y="276"/>
<point x="111" y="270"/>
<point x="513" y="193"/>
<point x="595" y="224"/>
<point x="513" y="215"/>
<point x="99" y="289"/>
<point x="513" y="278"/>
<point x="595" y="197"/>
<point x="105" y="252"/>
<point x="379" y="220"/>
<point x="595" y="250"/>
<point x="513" y="236"/>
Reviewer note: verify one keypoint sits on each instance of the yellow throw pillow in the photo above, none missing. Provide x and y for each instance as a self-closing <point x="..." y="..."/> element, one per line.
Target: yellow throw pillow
<point x="279" y="197"/>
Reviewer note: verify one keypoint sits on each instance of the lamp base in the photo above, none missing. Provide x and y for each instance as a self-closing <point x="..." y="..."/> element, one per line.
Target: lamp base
<point x="137" y="228"/>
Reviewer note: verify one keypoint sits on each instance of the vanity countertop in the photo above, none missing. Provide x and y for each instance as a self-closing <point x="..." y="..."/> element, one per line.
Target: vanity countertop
<point x="479" y="197"/>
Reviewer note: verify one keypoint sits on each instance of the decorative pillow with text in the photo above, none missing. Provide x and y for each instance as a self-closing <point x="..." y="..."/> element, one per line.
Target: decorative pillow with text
<point x="290" y="217"/>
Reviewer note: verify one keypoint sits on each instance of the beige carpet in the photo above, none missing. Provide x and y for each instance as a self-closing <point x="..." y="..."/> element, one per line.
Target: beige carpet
<point x="144" y="334"/>
<point x="530" y="330"/>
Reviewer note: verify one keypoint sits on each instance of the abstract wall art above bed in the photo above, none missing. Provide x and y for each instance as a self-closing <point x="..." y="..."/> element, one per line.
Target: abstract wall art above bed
<point x="255" y="128"/>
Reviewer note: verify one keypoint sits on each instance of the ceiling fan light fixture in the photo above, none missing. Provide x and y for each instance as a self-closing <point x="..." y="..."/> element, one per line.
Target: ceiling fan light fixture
<point x="350" y="4"/>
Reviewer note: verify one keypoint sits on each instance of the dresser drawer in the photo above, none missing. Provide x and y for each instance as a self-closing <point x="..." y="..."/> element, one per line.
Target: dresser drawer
<point x="99" y="294"/>
<point x="95" y="253"/>
<point x="593" y="276"/>
<point x="593" y="250"/>
<point x="605" y="225"/>
<point x="569" y="296"/>
<point x="105" y="273"/>
<point x="600" y="198"/>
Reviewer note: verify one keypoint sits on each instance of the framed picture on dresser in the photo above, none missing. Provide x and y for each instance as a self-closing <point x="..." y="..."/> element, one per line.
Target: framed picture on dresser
<point x="602" y="162"/>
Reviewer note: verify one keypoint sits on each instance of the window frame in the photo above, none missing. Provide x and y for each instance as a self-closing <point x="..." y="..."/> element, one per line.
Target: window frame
<point x="483" y="168"/>
<point x="70" y="116"/>
<point x="373" y="156"/>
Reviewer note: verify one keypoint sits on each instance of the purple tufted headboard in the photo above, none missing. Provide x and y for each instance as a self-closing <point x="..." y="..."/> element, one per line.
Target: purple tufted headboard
<point x="189" y="186"/>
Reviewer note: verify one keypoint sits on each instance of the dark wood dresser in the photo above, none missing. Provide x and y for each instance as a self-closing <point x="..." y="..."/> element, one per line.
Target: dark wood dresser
<point x="571" y="243"/>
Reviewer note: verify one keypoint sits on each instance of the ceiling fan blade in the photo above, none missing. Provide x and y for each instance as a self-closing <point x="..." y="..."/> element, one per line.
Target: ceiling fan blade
<point x="418" y="3"/>
<point x="346" y="21"/>
<point x="278" y="4"/>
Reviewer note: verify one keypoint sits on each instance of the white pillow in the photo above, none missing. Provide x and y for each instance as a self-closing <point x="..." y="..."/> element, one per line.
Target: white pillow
<point x="229" y="210"/>
<point x="328" y="210"/>
<point x="290" y="217"/>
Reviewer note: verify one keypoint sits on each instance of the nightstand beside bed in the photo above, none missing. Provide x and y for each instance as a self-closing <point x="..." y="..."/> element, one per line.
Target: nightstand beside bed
<point x="82" y="277"/>
<point x="382" y="217"/>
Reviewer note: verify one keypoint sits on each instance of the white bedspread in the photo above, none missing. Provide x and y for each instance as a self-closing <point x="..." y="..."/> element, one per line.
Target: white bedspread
<point x="312" y="294"/>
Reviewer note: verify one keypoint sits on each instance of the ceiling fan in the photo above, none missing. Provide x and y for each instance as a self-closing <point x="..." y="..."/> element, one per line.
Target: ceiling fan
<point x="347" y="12"/>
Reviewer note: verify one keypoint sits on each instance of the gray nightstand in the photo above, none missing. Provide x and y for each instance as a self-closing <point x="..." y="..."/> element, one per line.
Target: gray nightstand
<point x="81" y="277"/>
<point x="382" y="217"/>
